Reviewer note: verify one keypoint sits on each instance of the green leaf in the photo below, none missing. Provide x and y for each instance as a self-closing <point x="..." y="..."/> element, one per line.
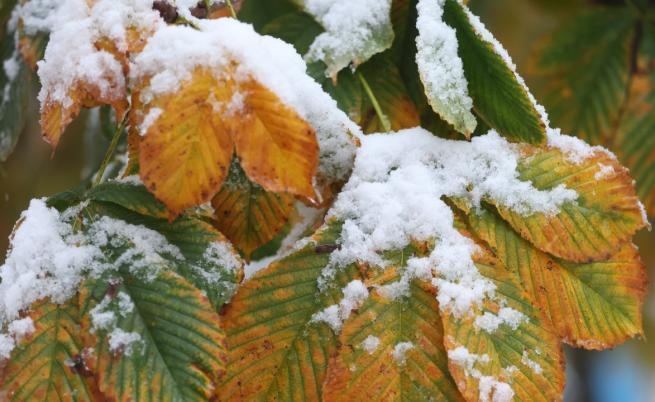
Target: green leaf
<point x="499" y="99"/>
<point x="588" y="63"/>
<point x="49" y="364"/>
<point x="14" y="96"/>
<point x="177" y="352"/>
<point x="297" y="28"/>
<point x="275" y="351"/>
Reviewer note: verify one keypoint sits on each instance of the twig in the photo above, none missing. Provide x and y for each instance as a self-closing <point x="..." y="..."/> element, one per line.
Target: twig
<point x="384" y="120"/>
<point x="110" y="151"/>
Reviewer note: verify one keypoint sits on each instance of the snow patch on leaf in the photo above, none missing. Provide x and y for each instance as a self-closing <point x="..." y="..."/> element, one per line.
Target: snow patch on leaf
<point x="441" y="69"/>
<point x="354" y="294"/>
<point x="354" y="31"/>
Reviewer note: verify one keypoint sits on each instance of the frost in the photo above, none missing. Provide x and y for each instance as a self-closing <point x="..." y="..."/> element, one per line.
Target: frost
<point x="370" y="344"/>
<point x="399" y="352"/>
<point x="440" y="67"/>
<point x="378" y="215"/>
<point x="525" y="359"/>
<point x="354" y="31"/>
<point x="120" y="340"/>
<point x="354" y="294"/>
<point x="175" y="52"/>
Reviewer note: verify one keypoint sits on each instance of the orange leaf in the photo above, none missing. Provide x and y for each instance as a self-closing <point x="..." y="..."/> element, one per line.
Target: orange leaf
<point x="277" y="148"/>
<point x="186" y="154"/>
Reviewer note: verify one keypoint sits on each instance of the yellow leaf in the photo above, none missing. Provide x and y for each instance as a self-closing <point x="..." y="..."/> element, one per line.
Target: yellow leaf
<point x="186" y="154"/>
<point x="525" y="360"/>
<point x="591" y="228"/>
<point x="392" y="350"/>
<point x="277" y="148"/>
<point x="49" y="364"/>
<point x="595" y="306"/>
<point x="248" y="215"/>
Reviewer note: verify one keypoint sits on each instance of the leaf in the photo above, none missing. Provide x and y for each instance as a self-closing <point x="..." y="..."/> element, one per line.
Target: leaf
<point x="588" y="63"/>
<point x="275" y="351"/>
<point x="388" y="88"/>
<point x="441" y="70"/>
<point x="594" y="306"/>
<point x="351" y="40"/>
<point x="347" y="90"/>
<point x="179" y="353"/>
<point x="364" y="371"/>
<point x="525" y="362"/>
<point x="637" y="150"/>
<point x="56" y="116"/>
<point x="247" y="214"/>
<point x="49" y="363"/>
<point x="14" y="98"/>
<point x="499" y="99"/>
<point x="186" y="152"/>
<point x="592" y="228"/>
<point x="276" y="148"/>
<point x="129" y="196"/>
<point x="297" y="28"/>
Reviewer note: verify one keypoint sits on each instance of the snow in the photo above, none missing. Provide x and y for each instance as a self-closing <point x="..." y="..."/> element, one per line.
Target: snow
<point x="603" y="171"/>
<point x="487" y="385"/>
<point x="38" y="15"/>
<point x="21" y="328"/>
<point x="378" y="215"/>
<point x="122" y="341"/>
<point x="149" y="120"/>
<point x="370" y="344"/>
<point x="175" y="52"/>
<point x="440" y="67"/>
<point x="354" y="31"/>
<point x="490" y="322"/>
<point x="354" y="294"/>
<point x="399" y="352"/>
<point x="72" y="56"/>
<point x="525" y="359"/>
<point x="7" y="344"/>
<point x="48" y="259"/>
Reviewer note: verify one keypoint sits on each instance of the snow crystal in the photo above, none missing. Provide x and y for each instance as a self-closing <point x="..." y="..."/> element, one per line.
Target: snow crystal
<point x="441" y="69"/>
<point x="125" y="304"/>
<point x="370" y="344"/>
<point x="353" y="30"/>
<point x="377" y="215"/>
<point x="120" y="340"/>
<point x="525" y="359"/>
<point x="502" y="392"/>
<point x="175" y="52"/>
<point x="354" y="294"/>
<point x="399" y="352"/>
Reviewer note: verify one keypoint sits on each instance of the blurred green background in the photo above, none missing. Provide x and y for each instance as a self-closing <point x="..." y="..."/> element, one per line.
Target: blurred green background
<point x="624" y="374"/>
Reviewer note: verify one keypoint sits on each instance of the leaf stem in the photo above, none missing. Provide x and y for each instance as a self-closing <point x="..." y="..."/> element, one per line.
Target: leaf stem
<point x="110" y="151"/>
<point x="384" y="120"/>
<point x="229" y="5"/>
